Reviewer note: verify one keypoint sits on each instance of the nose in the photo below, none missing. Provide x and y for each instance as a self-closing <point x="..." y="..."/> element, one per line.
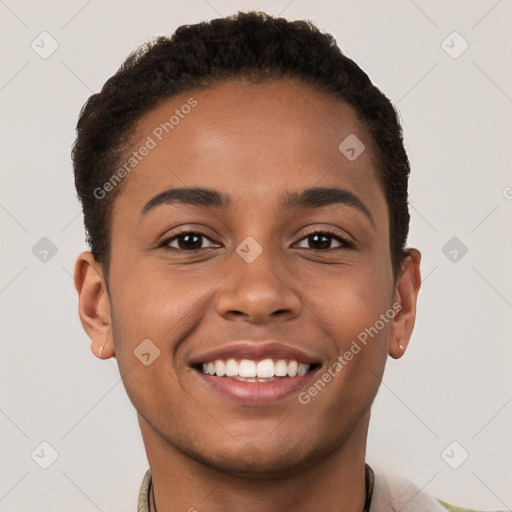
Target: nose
<point x="257" y="292"/>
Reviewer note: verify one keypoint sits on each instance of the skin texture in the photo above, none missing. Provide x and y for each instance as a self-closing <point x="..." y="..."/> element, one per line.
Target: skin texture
<point x="255" y="143"/>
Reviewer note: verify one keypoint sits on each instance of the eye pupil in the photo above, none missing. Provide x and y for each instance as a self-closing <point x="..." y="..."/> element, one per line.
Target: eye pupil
<point x="185" y="241"/>
<point x="324" y="243"/>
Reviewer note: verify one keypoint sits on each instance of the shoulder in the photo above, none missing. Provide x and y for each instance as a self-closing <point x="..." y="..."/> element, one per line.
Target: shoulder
<point x="392" y="493"/>
<point x="452" y="508"/>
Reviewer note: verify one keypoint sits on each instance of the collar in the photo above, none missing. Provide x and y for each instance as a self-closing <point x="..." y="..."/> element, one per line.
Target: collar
<point x="383" y="494"/>
<point x="144" y="504"/>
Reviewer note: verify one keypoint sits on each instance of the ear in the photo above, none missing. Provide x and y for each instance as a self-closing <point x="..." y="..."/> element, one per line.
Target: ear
<point x="94" y="305"/>
<point x="406" y="294"/>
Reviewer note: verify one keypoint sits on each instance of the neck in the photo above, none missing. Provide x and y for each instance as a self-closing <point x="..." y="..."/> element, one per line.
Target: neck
<point x="335" y="482"/>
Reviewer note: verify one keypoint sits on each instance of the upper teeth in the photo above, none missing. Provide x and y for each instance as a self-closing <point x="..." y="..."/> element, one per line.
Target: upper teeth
<point x="263" y="369"/>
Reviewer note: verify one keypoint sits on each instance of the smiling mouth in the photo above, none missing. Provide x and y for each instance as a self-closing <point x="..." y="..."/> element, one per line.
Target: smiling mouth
<point x="249" y="370"/>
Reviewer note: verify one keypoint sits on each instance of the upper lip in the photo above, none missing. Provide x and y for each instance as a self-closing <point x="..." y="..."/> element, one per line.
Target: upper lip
<point x="248" y="349"/>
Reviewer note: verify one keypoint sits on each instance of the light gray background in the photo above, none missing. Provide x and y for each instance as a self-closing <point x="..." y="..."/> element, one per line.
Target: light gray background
<point x="454" y="382"/>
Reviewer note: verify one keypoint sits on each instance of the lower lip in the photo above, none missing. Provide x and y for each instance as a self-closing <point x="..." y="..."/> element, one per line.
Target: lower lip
<point x="255" y="393"/>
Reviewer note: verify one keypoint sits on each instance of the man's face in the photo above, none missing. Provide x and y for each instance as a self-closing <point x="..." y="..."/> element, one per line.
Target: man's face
<point x="253" y="280"/>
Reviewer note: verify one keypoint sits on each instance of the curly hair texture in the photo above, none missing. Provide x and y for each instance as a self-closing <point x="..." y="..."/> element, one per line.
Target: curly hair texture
<point x="249" y="45"/>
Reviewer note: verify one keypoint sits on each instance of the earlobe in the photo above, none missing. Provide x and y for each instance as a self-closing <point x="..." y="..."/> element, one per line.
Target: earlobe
<point x="94" y="305"/>
<point x="103" y="348"/>
<point x="406" y="294"/>
<point x="397" y="348"/>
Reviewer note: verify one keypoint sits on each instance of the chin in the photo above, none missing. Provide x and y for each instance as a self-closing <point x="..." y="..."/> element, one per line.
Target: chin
<point x="259" y="462"/>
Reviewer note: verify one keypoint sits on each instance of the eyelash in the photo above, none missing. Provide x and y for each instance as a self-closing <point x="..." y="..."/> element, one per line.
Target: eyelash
<point x="346" y="244"/>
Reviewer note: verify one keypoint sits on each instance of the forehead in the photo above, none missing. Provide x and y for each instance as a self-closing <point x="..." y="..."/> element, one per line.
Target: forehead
<point x="252" y="140"/>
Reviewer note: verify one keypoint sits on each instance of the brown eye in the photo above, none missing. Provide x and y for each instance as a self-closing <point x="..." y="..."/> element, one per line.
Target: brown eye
<point x="321" y="241"/>
<point x="188" y="241"/>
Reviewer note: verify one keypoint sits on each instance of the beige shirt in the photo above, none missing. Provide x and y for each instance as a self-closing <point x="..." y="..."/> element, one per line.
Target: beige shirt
<point x="390" y="494"/>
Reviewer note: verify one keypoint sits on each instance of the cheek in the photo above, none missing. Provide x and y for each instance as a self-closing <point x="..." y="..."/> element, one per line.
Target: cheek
<point x="154" y="311"/>
<point x="356" y="317"/>
<point x="348" y="302"/>
<point x="155" y="304"/>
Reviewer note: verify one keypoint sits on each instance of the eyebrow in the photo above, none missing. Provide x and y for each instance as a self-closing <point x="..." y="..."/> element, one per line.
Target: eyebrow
<point x="315" y="197"/>
<point x="194" y="196"/>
